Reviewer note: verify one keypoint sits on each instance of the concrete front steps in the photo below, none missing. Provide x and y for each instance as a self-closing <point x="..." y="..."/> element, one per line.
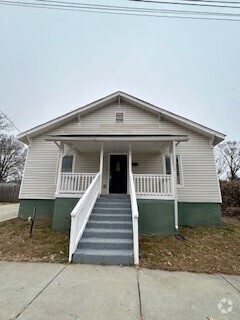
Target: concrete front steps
<point x="108" y="237"/>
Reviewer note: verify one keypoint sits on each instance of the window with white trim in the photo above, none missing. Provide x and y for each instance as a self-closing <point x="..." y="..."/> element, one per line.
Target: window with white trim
<point x="119" y="117"/>
<point x="167" y="167"/>
<point x="67" y="163"/>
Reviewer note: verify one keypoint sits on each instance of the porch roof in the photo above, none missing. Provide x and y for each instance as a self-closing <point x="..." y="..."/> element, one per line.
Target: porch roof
<point x="118" y="143"/>
<point x="119" y="137"/>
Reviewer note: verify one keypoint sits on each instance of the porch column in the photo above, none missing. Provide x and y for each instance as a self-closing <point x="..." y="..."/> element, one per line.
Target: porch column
<point x="61" y="153"/>
<point x="101" y="165"/>
<point x="175" y="185"/>
<point x="130" y="159"/>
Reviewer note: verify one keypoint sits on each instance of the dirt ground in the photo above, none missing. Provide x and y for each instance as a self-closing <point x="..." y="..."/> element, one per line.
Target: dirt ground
<point x="45" y="245"/>
<point x="207" y="249"/>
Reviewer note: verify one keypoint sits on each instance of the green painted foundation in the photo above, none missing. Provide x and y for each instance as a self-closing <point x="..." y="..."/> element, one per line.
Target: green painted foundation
<point x="61" y="216"/>
<point x="199" y="214"/>
<point x="156" y="217"/>
<point x="45" y="208"/>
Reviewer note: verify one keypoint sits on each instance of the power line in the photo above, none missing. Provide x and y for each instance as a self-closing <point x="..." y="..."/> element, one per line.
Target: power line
<point x="139" y="8"/>
<point x="77" y="5"/>
<point x="187" y="3"/>
<point x="11" y="122"/>
<point x="79" y="8"/>
<point x="210" y="1"/>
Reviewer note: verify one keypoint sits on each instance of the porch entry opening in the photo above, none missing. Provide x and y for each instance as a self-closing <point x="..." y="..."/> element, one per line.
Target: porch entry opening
<point x="118" y="174"/>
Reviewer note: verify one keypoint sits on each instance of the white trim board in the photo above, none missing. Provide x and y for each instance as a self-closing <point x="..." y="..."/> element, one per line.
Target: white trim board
<point x="115" y="98"/>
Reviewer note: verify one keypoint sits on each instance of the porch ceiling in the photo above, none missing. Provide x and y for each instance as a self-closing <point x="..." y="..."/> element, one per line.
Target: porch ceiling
<point x="118" y="143"/>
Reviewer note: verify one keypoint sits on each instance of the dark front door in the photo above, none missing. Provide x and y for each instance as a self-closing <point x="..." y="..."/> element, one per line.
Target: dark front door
<point x="118" y="174"/>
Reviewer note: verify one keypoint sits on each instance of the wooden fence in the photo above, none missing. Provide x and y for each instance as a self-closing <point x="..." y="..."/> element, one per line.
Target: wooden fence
<point x="9" y="192"/>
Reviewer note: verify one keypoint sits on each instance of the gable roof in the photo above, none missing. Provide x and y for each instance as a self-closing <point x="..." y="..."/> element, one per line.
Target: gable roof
<point x="116" y="97"/>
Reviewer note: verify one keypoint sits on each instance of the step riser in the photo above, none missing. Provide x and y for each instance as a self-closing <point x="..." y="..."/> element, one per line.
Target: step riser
<point x="100" y="210"/>
<point x="103" y="217"/>
<point x="92" y="259"/>
<point x="112" y="200"/>
<point x="108" y="235"/>
<point x="105" y="245"/>
<point x="112" y="205"/>
<point x="112" y="225"/>
<point x="114" y="196"/>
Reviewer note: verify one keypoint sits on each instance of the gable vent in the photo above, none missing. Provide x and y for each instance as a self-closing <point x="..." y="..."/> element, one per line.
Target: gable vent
<point x="119" y="117"/>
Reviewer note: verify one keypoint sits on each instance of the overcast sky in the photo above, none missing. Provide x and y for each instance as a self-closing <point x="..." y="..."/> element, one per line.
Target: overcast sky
<point x="52" y="62"/>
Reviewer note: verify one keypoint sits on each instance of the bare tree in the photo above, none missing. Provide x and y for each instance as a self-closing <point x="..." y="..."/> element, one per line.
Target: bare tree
<point x="12" y="158"/>
<point x="5" y="124"/>
<point x="228" y="159"/>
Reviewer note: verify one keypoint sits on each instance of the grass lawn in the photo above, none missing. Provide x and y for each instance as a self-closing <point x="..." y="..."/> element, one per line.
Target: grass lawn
<point x="45" y="245"/>
<point x="207" y="249"/>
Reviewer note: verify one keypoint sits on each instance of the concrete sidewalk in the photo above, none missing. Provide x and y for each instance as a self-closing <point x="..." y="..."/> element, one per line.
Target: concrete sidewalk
<point x="8" y="211"/>
<point x="54" y="291"/>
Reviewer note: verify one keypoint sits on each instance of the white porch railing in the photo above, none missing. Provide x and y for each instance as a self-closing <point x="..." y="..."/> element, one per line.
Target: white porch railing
<point x="82" y="211"/>
<point x="153" y="184"/>
<point x="71" y="183"/>
<point x="134" y="218"/>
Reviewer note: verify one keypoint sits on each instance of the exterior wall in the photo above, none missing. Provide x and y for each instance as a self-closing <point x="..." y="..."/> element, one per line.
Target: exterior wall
<point x="136" y="121"/>
<point x="156" y="217"/>
<point x="147" y="163"/>
<point x="199" y="175"/>
<point x="62" y="210"/>
<point x="45" y="208"/>
<point x="40" y="174"/>
<point x="87" y="162"/>
<point x="197" y="214"/>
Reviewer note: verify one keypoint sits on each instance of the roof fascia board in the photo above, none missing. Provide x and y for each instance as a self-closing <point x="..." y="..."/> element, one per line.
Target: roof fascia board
<point x="119" y="138"/>
<point x="67" y="115"/>
<point x="128" y="98"/>
<point x="174" y="116"/>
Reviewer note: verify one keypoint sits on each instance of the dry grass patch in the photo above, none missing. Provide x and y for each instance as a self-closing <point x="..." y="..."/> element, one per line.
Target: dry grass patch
<point x="207" y="249"/>
<point x="45" y="245"/>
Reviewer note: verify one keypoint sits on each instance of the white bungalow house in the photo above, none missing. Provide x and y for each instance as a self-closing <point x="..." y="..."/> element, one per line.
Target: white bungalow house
<point x="117" y="168"/>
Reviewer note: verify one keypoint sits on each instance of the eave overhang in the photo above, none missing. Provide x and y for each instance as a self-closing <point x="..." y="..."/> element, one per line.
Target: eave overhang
<point x="46" y="127"/>
<point x="124" y="138"/>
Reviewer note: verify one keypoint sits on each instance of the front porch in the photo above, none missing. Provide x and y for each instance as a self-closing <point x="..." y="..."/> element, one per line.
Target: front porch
<point x="158" y="186"/>
<point x="130" y="165"/>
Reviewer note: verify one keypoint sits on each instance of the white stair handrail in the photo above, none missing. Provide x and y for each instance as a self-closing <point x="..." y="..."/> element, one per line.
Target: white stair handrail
<point x="81" y="213"/>
<point x="134" y="218"/>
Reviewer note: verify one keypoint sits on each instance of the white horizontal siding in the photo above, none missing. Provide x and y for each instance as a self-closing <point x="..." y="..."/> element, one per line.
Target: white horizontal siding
<point x="40" y="171"/>
<point x="87" y="163"/>
<point x="199" y="172"/>
<point x="147" y="163"/>
<point x="103" y="121"/>
<point x="199" y="175"/>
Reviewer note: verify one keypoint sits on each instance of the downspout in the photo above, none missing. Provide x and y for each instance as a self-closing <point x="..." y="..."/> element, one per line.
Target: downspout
<point x="175" y="186"/>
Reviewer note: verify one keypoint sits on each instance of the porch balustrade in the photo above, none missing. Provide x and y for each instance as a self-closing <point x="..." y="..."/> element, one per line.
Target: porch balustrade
<point x="145" y="184"/>
<point x="153" y="184"/>
<point x="71" y="183"/>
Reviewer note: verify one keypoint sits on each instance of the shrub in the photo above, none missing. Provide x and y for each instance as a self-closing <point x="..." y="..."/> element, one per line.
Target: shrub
<point x="231" y="198"/>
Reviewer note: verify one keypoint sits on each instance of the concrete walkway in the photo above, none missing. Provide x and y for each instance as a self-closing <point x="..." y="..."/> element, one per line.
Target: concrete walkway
<point x="8" y="211"/>
<point x="54" y="291"/>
